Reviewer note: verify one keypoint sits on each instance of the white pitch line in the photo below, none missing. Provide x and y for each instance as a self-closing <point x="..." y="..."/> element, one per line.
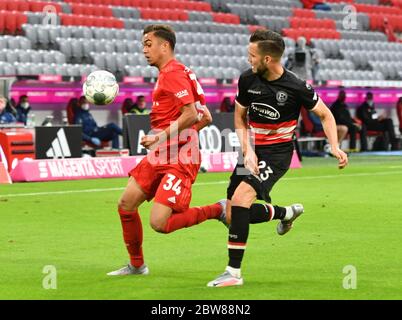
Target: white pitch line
<point x="203" y="184"/>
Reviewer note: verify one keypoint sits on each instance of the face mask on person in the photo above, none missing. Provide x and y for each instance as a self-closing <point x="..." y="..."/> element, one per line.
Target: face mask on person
<point x="85" y="106"/>
<point x="142" y="105"/>
<point x="370" y="103"/>
<point x="25" y="105"/>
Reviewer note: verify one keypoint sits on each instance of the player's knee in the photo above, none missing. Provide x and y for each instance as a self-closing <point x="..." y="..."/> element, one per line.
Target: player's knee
<point x="158" y="225"/>
<point x="243" y="199"/>
<point x="125" y="205"/>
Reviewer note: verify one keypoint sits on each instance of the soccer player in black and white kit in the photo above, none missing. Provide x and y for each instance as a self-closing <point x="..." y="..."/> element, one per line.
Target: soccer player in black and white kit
<point x="268" y="105"/>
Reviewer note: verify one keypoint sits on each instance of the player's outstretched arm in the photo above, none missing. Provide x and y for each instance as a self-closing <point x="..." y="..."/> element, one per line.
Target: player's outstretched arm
<point x="329" y="126"/>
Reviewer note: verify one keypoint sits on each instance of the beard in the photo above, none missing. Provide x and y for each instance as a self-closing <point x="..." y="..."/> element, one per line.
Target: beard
<point x="262" y="70"/>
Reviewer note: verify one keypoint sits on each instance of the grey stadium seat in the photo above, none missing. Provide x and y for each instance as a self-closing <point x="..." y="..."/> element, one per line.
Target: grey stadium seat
<point x="111" y="64"/>
<point x="66" y="32"/>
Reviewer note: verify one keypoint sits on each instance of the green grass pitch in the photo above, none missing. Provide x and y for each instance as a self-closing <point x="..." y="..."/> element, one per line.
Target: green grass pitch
<point x="352" y="218"/>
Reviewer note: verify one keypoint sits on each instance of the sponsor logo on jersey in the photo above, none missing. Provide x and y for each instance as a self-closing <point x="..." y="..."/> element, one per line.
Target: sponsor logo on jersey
<point x="254" y="91"/>
<point x="281" y="97"/>
<point x="181" y="94"/>
<point x="265" y="111"/>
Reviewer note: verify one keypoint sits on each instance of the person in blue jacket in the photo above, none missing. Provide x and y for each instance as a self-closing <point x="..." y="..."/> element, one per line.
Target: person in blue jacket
<point x="91" y="132"/>
<point x="6" y="112"/>
<point x="23" y="109"/>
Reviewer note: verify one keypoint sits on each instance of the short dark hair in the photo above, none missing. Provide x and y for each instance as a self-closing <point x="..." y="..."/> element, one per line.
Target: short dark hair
<point x="162" y="31"/>
<point x="369" y="95"/>
<point x="269" y="42"/>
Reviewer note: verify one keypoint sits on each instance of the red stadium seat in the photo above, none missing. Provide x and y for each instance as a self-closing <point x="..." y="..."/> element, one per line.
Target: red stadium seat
<point x="21" y="20"/>
<point x="307" y="126"/>
<point x="303" y="13"/>
<point x="225" y="18"/>
<point x="12" y="5"/>
<point x="37" y="6"/>
<point x="3" y="5"/>
<point x="2" y="21"/>
<point x="11" y="23"/>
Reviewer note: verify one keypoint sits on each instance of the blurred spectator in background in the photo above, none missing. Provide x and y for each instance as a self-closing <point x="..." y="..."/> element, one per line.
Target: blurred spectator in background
<point x="226" y="105"/>
<point x="91" y="132"/>
<point x="13" y="103"/>
<point x="373" y="121"/>
<point x="316" y="4"/>
<point x="7" y="112"/>
<point x="399" y="113"/>
<point x="139" y="107"/>
<point x="315" y="64"/>
<point x="342" y="116"/>
<point x="23" y="109"/>
<point x="72" y="108"/>
<point x="302" y="59"/>
<point x="127" y="105"/>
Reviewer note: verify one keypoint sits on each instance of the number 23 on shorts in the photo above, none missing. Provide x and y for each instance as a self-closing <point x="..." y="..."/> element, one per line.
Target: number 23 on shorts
<point x="264" y="174"/>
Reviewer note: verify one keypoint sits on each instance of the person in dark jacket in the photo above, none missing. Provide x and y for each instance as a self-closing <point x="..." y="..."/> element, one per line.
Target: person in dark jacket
<point x="373" y="121"/>
<point x="23" y="109"/>
<point x="91" y="132"/>
<point x="342" y="116"/>
<point x="7" y="114"/>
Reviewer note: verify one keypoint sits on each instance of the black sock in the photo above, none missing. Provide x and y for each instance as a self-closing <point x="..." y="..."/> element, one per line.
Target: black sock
<point x="263" y="213"/>
<point x="238" y="234"/>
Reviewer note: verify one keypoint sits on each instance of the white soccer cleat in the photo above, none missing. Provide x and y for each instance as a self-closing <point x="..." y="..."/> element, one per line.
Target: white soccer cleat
<point x="130" y="270"/>
<point x="284" y="227"/>
<point x="222" y="217"/>
<point x="226" y="280"/>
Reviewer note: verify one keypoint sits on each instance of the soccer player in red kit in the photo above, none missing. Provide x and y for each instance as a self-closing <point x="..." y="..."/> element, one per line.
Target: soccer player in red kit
<point x="167" y="173"/>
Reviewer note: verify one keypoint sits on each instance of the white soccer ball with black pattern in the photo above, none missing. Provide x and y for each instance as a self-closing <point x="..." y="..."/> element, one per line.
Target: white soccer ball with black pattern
<point x="101" y="87"/>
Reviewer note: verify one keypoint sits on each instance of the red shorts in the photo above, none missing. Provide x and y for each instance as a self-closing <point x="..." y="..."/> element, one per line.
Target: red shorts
<point x="168" y="184"/>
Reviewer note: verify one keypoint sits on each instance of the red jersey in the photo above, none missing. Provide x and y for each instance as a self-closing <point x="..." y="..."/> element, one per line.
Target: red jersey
<point x="176" y="87"/>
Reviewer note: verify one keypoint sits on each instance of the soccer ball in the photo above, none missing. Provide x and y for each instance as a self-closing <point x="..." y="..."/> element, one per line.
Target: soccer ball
<point x="101" y="87"/>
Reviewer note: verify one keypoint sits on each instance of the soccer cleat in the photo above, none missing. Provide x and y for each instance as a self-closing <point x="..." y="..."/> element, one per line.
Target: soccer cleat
<point x="226" y="280"/>
<point x="130" y="270"/>
<point x="222" y="217"/>
<point x="284" y="226"/>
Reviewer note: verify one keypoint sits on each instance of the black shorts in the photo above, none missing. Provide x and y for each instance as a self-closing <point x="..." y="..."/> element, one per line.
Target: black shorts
<point x="273" y="161"/>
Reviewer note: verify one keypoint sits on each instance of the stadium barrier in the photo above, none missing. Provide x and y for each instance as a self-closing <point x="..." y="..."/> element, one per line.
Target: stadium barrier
<point x="29" y="170"/>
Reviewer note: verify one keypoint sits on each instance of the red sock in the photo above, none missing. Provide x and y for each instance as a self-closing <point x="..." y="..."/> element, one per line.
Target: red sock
<point x="192" y="216"/>
<point x="132" y="234"/>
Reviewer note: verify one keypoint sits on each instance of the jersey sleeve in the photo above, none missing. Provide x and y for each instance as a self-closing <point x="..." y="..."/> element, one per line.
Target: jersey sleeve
<point x="242" y="95"/>
<point x="179" y="84"/>
<point x="307" y="96"/>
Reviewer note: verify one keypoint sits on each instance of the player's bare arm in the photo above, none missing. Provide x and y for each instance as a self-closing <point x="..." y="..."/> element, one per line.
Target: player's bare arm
<point x="205" y="120"/>
<point x="329" y="126"/>
<point x="240" y="121"/>
<point x="187" y="118"/>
